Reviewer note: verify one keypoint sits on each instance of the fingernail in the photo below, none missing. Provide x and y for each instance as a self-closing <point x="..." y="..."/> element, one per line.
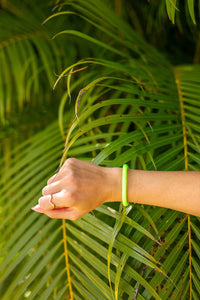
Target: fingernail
<point x="35" y="208"/>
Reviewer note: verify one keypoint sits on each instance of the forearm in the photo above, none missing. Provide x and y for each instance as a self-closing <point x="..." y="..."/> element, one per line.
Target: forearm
<point x="80" y="187"/>
<point x="178" y="190"/>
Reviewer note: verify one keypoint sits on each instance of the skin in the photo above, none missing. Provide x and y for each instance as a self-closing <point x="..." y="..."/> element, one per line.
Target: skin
<point x="79" y="187"/>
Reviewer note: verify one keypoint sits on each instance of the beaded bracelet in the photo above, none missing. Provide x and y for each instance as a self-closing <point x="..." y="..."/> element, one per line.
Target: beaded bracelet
<point x="124" y="185"/>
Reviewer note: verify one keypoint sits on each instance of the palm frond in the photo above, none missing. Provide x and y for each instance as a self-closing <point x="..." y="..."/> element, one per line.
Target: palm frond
<point x="29" y="59"/>
<point x="173" y="7"/>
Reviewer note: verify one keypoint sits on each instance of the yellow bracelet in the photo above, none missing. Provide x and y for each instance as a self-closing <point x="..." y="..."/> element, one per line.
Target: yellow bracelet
<point x="124" y="185"/>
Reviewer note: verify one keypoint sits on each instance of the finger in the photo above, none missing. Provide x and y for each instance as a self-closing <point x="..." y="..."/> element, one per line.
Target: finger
<point x="63" y="199"/>
<point x="45" y="202"/>
<point x="52" y="178"/>
<point x="60" y="199"/>
<point x="52" y="188"/>
<point x="70" y="163"/>
<point x="59" y="213"/>
<point x="57" y="177"/>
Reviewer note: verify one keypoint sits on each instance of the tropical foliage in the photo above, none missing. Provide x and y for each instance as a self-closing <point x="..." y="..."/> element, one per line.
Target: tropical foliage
<point x="131" y="104"/>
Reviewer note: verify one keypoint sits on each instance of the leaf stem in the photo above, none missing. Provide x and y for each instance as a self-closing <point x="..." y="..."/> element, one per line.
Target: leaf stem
<point x="181" y="99"/>
<point x="67" y="259"/>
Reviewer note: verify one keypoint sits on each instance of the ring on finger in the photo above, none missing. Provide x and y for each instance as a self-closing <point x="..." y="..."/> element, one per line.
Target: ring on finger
<point x="51" y="202"/>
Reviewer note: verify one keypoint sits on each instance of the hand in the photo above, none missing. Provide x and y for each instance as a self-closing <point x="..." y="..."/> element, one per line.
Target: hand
<point x="78" y="188"/>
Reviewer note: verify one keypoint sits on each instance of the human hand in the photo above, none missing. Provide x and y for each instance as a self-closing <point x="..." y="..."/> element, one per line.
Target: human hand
<point x="78" y="188"/>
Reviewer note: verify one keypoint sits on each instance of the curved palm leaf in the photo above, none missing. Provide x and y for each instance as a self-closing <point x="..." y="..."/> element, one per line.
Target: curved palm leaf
<point x="29" y="59"/>
<point x="173" y="6"/>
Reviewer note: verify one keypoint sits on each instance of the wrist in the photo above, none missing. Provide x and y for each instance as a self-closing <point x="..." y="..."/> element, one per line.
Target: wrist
<point x="113" y="180"/>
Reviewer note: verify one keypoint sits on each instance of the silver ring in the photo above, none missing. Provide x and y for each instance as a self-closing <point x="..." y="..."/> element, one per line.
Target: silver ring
<point x="51" y="202"/>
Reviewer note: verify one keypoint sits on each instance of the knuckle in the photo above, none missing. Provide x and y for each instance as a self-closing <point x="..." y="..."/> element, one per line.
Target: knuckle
<point x="70" y="161"/>
<point x="44" y="191"/>
<point x="51" y="179"/>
